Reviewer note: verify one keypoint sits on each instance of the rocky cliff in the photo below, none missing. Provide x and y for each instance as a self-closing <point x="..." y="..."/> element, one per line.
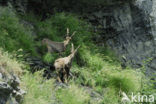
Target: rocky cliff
<point x="130" y="30"/>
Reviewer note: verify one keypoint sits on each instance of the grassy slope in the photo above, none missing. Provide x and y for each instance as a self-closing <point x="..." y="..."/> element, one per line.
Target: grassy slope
<point x="91" y="67"/>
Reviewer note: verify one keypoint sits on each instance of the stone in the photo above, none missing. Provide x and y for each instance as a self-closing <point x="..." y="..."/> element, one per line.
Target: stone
<point x="153" y="64"/>
<point x="1" y="76"/>
<point x="19" y="95"/>
<point x="10" y="91"/>
<point x="5" y="88"/>
<point x="12" y="100"/>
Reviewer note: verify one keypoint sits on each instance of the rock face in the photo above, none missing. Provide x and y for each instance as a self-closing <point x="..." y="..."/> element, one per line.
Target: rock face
<point x="10" y="92"/>
<point x="129" y="29"/>
<point x="135" y="36"/>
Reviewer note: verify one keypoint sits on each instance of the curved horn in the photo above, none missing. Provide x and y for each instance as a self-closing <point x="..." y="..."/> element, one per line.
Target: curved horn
<point x="73" y="34"/>
<point x="67" y="31"/>
<point x="77" y="48"/>
<point x="72" y="49"/>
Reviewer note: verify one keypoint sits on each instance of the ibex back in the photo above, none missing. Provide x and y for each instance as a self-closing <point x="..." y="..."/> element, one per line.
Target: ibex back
<point x="59" y="47"/>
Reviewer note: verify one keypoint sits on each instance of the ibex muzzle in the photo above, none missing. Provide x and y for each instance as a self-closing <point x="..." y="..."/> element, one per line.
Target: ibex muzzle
<point x="58" y="47"/>
<point x="63" y="65"/>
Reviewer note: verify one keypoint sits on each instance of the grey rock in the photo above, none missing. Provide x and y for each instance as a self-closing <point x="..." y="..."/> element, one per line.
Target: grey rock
<point x="5" y="91"/>
<point x="5" y="88"/>
<point x="153" y="64"/>
<point x="12" y="100"/>
<point x="19" y="95"/>
<point x="15" y="81"/>
<point x="99" y="14"/>
<point x="1" y="76"/>
<point x="10" y="91"/>
<point x="130" y="30"/>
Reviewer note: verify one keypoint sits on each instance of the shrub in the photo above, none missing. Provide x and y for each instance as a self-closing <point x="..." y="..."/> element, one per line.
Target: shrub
<point x="49" y="58"/>
<point x="127" y="81"/>
<point x="91" y="60"/>
<point x="13" y="34"/>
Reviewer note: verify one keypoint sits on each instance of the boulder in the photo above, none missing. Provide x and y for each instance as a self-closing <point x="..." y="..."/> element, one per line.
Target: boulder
<point x="10" y="91"/>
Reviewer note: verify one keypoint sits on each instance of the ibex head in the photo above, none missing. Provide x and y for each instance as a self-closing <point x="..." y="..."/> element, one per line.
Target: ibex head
<point x="68" y="38"/>
<point x="44" y="41"/>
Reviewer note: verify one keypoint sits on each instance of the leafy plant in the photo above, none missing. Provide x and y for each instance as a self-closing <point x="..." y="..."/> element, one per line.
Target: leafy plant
<point x="13" y="34"/>
<point x="49" y="58"/>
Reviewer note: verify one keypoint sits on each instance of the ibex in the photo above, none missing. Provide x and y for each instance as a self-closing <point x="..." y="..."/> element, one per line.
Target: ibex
<point x="63" y="65"/>
<point x="59" y="47"/>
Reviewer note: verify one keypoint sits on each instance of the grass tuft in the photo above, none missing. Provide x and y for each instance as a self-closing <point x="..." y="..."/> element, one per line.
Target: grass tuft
<point x="10" y="64"/>
<point x="73" y="95"/>
<point x="39" y="91"/>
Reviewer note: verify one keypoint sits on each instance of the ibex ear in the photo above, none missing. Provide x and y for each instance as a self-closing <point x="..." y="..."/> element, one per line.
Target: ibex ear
<point x="72" y="49"/>
<point x="67" y="31"/>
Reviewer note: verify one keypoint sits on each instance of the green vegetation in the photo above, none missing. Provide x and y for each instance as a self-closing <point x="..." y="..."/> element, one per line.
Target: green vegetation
<point x="73" y="95"/>
<point x="13" y="35"/>
<point x="39" y="90"/>
<point x="48" y="58"/>
<point x="55" y="27"/>
<point x="10" y="64"/>
<point x="93" y="67"/>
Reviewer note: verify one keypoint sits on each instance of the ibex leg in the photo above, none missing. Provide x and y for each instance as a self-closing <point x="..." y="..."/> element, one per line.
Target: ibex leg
<point x="65" y="76"/>
<point x="67" y="71"/>
<point x="58" y="77"/>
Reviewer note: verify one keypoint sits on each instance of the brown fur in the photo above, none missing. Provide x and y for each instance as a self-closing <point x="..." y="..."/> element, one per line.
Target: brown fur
<point x="64" y="64"/>
<point x="57" y="46"/>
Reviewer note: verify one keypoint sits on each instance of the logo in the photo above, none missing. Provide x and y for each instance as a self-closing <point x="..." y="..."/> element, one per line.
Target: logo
<point x="137" y="98"/>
